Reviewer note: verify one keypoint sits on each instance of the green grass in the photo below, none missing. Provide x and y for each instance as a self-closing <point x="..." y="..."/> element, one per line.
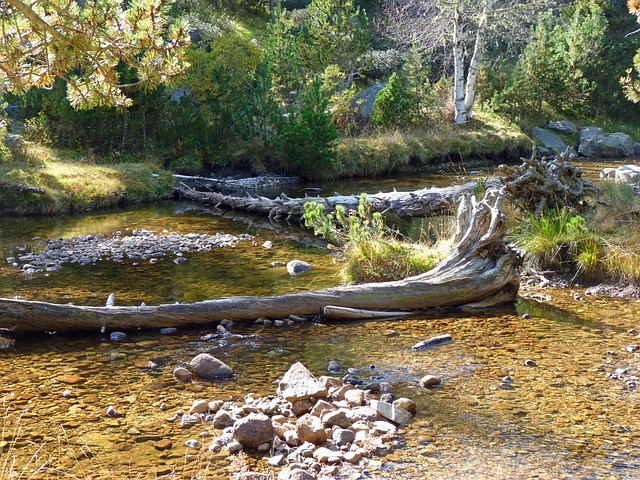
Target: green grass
<point x="380" y="153"/>
<point x="76" y="185"/>
<point x="602" y="243"/>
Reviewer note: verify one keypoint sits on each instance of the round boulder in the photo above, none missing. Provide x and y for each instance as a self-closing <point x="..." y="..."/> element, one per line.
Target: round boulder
<point x="208" y="366"/>
<point x="253" y="430"/>
<point x="297" y="267"/>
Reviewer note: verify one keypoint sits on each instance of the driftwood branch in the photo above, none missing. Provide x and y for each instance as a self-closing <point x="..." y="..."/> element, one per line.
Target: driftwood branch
<point x="425" y="202"/>
<point x="479" y="266"/>
<point x="23" y="187"/>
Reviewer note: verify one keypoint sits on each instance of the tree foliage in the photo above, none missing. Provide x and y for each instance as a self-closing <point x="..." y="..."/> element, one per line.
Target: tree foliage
<point x="86" y="45"/>
<point x="630" y="84"/>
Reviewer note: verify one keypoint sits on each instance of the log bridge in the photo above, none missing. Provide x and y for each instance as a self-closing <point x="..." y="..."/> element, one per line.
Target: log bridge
<point x="481" y="270"/>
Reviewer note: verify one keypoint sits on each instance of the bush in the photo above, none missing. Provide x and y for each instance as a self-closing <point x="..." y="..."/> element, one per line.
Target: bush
<point x="371" y="252"/>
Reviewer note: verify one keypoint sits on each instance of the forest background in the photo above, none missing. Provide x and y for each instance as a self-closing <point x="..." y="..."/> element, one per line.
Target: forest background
<point x="277" y="87"/>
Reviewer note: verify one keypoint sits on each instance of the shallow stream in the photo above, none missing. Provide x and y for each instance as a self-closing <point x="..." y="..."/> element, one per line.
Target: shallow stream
<point x="571" y="411"/>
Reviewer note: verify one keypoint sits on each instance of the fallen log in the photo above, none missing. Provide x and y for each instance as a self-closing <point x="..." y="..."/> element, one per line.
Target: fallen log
<point x="425" y="202"/>
<point x="479" y="266"/>
<point x="23" y="187"/>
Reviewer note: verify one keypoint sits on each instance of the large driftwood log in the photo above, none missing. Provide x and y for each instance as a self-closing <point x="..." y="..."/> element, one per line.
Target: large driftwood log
<point x="425" y="202"/>
<point x="536" y="185"/>
<point x="480" y="266"/>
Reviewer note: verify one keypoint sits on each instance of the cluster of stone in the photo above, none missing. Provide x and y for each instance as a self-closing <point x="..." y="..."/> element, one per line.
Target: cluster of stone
<point x="139" y="245"/>
<point x="312" y="425"/>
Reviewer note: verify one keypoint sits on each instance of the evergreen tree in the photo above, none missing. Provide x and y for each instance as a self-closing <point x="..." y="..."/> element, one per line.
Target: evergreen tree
<point x="308" y="139"/>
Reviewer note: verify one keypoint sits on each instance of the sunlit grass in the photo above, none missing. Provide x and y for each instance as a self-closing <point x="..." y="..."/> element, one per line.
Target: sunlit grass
<point x="75" y="185"/>
<point x="389" y="151"/>
<point x="601" y="243"/>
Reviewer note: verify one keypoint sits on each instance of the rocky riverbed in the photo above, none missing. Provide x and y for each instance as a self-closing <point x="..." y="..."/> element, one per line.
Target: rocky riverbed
<point x="307" y="429"/>
<point x="136" y="246"/>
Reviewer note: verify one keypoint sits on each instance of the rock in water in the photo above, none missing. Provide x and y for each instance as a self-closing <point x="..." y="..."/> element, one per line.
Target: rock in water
<point x="297" y="267"/>
<point x="300" y="384"/>
<point x="432" y="341"/>
<point x="111" y="300"/>
<point x="208" y="366"/>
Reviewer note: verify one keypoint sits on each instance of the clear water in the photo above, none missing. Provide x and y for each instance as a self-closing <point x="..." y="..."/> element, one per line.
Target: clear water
<point x="565" y="417"/>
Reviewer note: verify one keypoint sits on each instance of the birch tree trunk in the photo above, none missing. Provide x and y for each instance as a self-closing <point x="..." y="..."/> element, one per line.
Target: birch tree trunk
<point x="474" y="65"/>
<point x="458" y="70"/>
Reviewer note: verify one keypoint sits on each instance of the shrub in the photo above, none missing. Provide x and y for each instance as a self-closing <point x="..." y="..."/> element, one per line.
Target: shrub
<point x="372" y="253"/>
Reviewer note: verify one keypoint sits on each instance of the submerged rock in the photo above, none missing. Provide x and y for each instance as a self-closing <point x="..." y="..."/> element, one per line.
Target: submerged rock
<point x="208" y="366"/>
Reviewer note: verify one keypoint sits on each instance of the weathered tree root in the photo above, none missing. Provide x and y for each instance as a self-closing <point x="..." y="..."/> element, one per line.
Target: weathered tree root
<point x="480" y="266"/>
<point x="537" y="185"/>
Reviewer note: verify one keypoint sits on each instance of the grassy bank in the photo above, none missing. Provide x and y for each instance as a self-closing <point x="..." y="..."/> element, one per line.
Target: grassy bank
<point x="75" y="184"/>
<point x="598" y="243"/>
<point x="385" y="152"/>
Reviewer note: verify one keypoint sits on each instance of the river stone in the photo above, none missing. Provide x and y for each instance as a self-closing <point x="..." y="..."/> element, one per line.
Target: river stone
<point x="406" y="404"/>
<point x="324" y="455"/>
<point x="355" y="397"/>
<point x="253" y="430"/>
<point x="300" y="384"/>
<point x="437" y="340"/>
<point x="549" y="139"/>
<point x="117" y="336"/>
<point x="251" y="476"/>
<point x="297" y="267"/>
<point x="364" y="414"/>
<point x="338" y="417"/>
<point x="199" y="406"/>
<point x="296" y="474"/>
<point x="564" y="126"/>
<point x="208" y="366"/>
<point x="397" y="415"/>
<point x="222" y="420"/>
<point x="343" y="436"/>
<point x="181" y="374"/>
<point x="310" y="429"/>
<point x="321" y="407"/>
<point x="429" y="381"/>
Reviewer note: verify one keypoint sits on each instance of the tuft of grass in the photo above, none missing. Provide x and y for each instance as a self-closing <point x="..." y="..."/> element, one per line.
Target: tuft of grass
<point x="385" y="260"/>
<point x="557" y="239"/>
<point x="601" y="244"/>
<point x="371" y="251"/>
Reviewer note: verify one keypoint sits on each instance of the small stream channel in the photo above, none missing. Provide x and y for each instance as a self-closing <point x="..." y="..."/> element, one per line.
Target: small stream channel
<point x="572" y="414"/>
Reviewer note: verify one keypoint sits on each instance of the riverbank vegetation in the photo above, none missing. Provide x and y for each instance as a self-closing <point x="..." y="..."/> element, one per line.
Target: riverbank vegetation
<point x="321" y="89"/>
<point x="598" y="243"/>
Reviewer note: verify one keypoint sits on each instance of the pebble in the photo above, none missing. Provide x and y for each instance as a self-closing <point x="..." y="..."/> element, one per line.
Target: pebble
<point x="530" y="363"/>
<point x="334" y="367"/>
<point x="117" y="336"/>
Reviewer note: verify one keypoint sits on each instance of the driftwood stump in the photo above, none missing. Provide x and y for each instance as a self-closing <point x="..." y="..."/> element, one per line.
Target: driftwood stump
<point x="479" y="268"/>
<point x="536" y="185"/>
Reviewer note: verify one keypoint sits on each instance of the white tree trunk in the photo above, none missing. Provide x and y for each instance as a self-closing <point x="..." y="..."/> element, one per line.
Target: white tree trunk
<point x="474" y="66"/>
<point x="458" y="70"/>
